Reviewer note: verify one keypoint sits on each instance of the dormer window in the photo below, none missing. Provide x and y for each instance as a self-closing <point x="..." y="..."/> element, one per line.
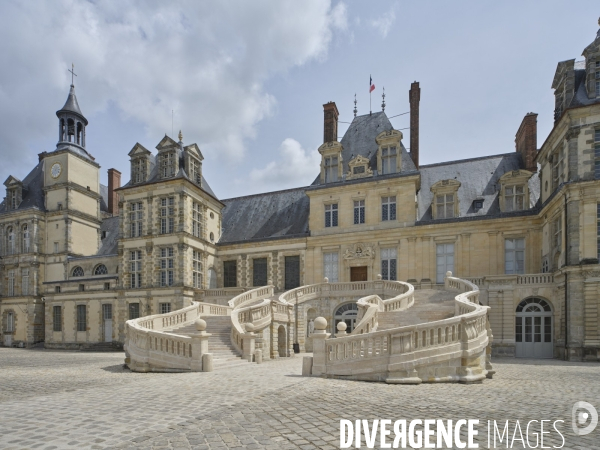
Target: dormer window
<point x="445" y="199"/>
<point x="388" y="159"/>
<point x="514" y="190"/>
<point x="13" y="199"/>
<point x="14" y="192"/>
<point x="477" y="204"/>
<point x="195" y="174"/>
<point x="167" y="164"/>
<point x="137" y="171"/>
<point x="359" y="168"/>
<point x="331" y="169"/>
<point x="514" y="198"/>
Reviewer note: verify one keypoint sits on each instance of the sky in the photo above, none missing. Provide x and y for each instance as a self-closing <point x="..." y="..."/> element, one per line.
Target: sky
<point x="247" y="81"/>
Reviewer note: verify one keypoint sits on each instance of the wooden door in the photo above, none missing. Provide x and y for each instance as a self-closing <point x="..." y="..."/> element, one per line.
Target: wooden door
<point x="358" y="273"/>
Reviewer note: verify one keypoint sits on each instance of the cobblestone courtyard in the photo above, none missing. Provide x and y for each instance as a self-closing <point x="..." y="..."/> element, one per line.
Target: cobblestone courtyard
<point x="74" y="400"/>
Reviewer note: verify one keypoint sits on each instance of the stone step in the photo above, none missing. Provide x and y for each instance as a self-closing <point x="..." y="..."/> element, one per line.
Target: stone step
<point x="430" y="306"/>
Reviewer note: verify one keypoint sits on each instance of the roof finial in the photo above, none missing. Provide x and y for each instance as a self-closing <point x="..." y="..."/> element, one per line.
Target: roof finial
<point x="73" y="74"/>
<point x="383" y="100"/>
<point x="180" y="136"/>
<point x="355" y="110"/>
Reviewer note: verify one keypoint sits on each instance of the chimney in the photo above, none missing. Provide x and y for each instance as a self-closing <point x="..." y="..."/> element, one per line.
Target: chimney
<point x="526" y="141"/>
<point x="330" y="124"/>
<point x="414" y="97"/>
<point x="114" y="182"/>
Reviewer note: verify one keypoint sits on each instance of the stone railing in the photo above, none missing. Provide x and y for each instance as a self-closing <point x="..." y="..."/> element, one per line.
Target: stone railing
<point x="248" y="314"/>
<point x="151" y="346"/>
<point x="369" y="307"/>
<point x="527" y="279"/>
<point x="449" y="350"/>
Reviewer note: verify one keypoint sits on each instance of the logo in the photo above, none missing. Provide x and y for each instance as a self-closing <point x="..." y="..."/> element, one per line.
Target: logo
<point x="580" y="418"/>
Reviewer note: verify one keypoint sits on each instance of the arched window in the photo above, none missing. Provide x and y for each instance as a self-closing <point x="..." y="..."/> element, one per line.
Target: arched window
<point x="25" y="239"/>
<point x="77" y="272"/>
<point x="10" y="241"/>
<point x="345" y="313"/>
<point x="70" y="130"/>
<point x="61" y="131"/>
<point x="79" y="133"/>
<point x="100" y="270"/>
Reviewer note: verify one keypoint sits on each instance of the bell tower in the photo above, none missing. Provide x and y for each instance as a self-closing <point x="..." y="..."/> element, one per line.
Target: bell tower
<point x="71" y="122"/>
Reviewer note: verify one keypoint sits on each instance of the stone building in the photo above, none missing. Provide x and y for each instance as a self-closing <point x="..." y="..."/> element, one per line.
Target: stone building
<point x="79" y="259"/>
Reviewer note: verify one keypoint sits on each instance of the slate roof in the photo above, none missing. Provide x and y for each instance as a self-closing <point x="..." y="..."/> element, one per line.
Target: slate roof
<point x="479" y="180"/>
<point x="71" y="105"/>
<point x="359" y="139"/>
<point x="280" y="214"/>
<point x="110" y="243"/>
<point x="33" y="194"/>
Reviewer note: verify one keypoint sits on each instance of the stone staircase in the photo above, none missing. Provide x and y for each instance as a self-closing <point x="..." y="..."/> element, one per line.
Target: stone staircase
<point x="219" y="343"/>
<point x="430" y="305"/>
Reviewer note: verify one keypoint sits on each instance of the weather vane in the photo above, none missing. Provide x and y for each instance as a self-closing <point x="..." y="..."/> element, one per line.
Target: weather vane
<point x="383" y="98"/>
<point x="73" y="74"/>
<point x="355" y="110"/>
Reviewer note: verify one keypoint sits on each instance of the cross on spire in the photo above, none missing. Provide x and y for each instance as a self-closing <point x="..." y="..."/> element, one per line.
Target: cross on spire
<point x="73" y="74"/>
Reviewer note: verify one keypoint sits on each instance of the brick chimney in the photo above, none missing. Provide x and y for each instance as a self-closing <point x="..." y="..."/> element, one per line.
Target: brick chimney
<point x="526" y="141"/>
<point x="330" y="123"/>
<point x="114" y="182"/>
<point x="414" y="97"/>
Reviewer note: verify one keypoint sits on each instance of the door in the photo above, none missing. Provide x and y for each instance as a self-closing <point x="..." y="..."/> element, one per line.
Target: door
<point x="358" y="273"/>
<point x="107" y="322"/>
<point x="533" y="329"/>
<point x="444" y="261"/>
<point x="292" y="272"/>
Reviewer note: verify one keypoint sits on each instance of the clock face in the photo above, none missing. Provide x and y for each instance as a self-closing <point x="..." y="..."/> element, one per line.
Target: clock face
<point x="55" y="170"/>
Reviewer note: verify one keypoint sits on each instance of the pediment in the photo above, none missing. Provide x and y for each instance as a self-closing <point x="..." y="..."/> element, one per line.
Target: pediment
<point x="138" y="150"/>
<point x="389" y="136"/>
<point x="561" y="68"/>
<point x="516" y="176"/>
<point x="166" y="143"/>
<point x="194" y="150"/>
<point x="450" y="185"/>
<point x="12" y="181"/>
<point x="359" y="168"/>
<point x="333" y="147"/>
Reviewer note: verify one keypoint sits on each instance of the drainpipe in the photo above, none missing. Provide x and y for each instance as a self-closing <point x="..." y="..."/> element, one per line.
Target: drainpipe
<point x="566" y="357"/>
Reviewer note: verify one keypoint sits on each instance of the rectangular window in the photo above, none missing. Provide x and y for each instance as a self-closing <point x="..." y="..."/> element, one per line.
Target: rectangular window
<point x="57" y="318"/>
<point x="25" y="239"/>
<point x="195" y="174"/>
<point x="197" y="269"/>
<point x="388" y="160"/>
<point x="10" y="322"/>
<point x="330" y="266"/>
<point x="359" y="212"/>
<point x="444" y="261"/>
<point x="81" y="318"/>
<point x="167" y="266"/>
<point x="106" y="286"/>
<point x="56" y="247"/>
<point x="597" y="84"/>
<point x="137" y="168"/>
<point x="11" y="283"/>
<point x="167" y="215"/>
<point x="557" y="234"/>
<point x="10" y="236"/>
<point x="136" y="216"/>
<point x="259" y="272"/>
<point x="81" y="287"/>
<point x="134" y="311"/>
<point x="331" y="169"/>
<point x="444" y="206"/>
<point x="230" y="274"/>
<point x="514" y="198"/>
<point x="57" y="289"/>
<point x="331" y="215"/>
<point x="165" y="308"/>
<point x="388" y="264"/>
<point x="514" y="256"/>
<point x="197" y="219"/>
<point x="25" y="281"/>
<point x="135" y="268"/>
<point x="388" y="208"/>
<point x="597" y="154"/>
<point x="167" y="164"/>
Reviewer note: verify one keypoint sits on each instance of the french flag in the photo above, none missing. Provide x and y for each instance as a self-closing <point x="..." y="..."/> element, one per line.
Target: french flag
<point x="371" y="85"/>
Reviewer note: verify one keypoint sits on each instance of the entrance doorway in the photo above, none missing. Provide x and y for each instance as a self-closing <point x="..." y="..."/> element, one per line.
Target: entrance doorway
<point x="358" y="273"/>
<point x="107" y="322"/>
<point x="533" y="329"/>
<point x="346" y="313"/>
<point x="281" y="342"/>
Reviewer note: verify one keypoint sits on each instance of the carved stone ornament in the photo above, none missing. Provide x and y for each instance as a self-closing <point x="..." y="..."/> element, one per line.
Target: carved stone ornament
<point x="591" y="274"/>
<point x="359" y="251"/>
<point x="359" y="168"/>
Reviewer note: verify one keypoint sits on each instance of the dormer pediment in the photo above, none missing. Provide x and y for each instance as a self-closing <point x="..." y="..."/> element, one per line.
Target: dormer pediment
<point x="194" y="150"/>
<point x="139" y="150"/>
<point x="561" y="69"/>
<point x="13" y="182"/>
<point x="166" y="143"/>
<point x="329" y="148"/>
<point x="516" y="177"/>
<point x="445" y="185"/>
<point x="389" y="136"/>
<point x="359" y="168"/>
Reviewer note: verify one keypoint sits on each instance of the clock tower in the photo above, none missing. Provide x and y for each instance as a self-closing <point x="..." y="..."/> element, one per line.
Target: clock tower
<point x="71" y="186"/>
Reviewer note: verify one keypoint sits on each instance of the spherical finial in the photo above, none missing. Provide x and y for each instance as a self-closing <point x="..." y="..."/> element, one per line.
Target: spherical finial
<point x="270" y="282"/>
<point x="341" y="326"/>
<point x="200" y="325"/>
<point x="325" y="280"/>
<point x="249" y="327"/>
<point x="180" y="136"/>
<point x="379" y="276"/>
<point x="320" y="323"/>
<point x="448" y="274"/>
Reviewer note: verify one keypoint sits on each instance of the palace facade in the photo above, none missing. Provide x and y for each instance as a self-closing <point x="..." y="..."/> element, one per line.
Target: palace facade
<point x="79" y="259"/>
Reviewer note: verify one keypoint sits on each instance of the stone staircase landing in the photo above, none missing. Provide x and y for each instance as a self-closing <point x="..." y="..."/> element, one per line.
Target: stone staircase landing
<point x="430" y="305"/>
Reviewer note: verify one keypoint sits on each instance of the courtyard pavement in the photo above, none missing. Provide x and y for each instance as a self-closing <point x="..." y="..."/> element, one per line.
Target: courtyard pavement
<point x="75" y="400"/>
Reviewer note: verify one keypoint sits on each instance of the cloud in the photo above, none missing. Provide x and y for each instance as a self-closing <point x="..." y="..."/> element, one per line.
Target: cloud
<point x="383" y="24"/>
<point x="295" y="167"/>
<point x="208" y="61"/>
